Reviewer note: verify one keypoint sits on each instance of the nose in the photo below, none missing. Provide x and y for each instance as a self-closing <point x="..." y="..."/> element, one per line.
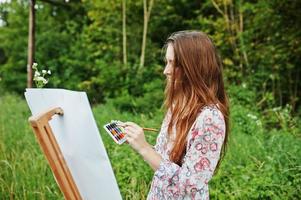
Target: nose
<point x="167" y="70"/>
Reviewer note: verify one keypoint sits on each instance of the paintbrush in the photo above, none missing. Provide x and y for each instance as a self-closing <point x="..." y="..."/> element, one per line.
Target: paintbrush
<point x="150" y="129"/>
<point x="144" y="128"/>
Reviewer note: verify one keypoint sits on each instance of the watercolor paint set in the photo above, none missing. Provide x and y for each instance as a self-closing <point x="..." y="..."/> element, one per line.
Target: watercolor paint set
<point x="115" y="131"/>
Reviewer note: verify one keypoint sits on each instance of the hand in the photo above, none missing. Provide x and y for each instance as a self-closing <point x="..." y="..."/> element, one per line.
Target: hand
<point x="134" y="135"/>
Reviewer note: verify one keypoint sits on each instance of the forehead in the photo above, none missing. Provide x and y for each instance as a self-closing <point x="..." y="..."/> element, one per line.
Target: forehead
<point x="169" y="52"/>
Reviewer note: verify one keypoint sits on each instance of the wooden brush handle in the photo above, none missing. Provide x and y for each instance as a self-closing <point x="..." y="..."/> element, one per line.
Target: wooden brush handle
<point x="145" y="129"/>
<point x="150" y="129"/>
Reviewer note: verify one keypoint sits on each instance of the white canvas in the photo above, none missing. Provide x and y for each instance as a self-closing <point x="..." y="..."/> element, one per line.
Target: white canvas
<point x="78" y="137"/>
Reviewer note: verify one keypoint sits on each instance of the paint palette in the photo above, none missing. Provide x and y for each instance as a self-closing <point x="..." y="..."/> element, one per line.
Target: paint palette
<point x="115" y="131"/>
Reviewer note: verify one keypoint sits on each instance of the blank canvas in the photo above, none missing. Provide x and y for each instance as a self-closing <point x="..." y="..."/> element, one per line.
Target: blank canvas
<point x="78" y="137"/>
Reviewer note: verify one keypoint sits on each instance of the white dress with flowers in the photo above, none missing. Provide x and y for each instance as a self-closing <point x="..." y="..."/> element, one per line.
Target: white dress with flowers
<point x="204" y="142"/>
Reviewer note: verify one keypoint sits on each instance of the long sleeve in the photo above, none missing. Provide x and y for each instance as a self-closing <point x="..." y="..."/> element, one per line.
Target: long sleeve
<point x="161" y="139"/>
<point x="203" y="151"/>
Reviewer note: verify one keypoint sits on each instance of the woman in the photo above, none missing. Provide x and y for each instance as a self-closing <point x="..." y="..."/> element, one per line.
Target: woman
<point x="193" y="134"/>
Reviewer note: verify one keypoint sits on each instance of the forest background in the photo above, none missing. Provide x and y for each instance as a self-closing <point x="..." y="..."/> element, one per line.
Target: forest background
<point x="112" y="49"/>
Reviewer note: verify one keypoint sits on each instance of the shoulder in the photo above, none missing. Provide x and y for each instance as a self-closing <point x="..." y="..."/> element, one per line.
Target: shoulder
<point x="210" y="115"/>
<point x="209" y="127"/>
<point x="211" y="111"/>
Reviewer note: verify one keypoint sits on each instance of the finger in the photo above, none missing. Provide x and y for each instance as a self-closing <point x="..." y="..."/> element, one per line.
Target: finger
<point x="130" y="133"/>
<point x="128" y="139"/>
<point x="131" y="129"/>
<point x="132" y="124"/>
<point x="122" y="124"/>
<point x="125" y="137"/>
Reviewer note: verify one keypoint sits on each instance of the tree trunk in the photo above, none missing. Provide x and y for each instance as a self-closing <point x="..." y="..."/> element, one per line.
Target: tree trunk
<point x="147" y="11"/>
<point x="124" y="32"/>
<point x="241" y="39"/>
<point x="31" y="42"/>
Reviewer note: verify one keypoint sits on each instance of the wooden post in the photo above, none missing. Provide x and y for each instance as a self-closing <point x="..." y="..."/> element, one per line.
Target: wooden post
<point x="31" y="42"/>
<point x="53" y="153"/>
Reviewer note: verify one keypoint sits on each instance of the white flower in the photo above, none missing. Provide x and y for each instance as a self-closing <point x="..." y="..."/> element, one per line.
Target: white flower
<point x="40" y="78"/>
<point x="258" y="122"/>
<point x="45" y="81"/>
<point x="34" y="65"/>
<point x="252" y="116"/>
<point x="36" y="74"/>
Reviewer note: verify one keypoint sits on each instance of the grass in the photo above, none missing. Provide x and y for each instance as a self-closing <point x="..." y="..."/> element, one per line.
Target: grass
<point x="259" y="164"/>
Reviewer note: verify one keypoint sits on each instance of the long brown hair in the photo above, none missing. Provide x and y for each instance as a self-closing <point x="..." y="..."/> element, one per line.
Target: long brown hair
<point x="197" y="83"/>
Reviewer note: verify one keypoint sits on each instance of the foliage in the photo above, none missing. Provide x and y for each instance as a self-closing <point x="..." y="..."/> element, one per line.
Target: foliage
<point x="81" y="42"/>
<point x="259" y="164"/>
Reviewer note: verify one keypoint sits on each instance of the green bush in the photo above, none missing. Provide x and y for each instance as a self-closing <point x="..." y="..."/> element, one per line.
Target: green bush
<point x="149" y="102"/>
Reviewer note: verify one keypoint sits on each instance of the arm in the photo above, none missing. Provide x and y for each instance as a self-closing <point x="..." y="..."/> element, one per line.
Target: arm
<point x="199" y="162"/>
<point x="135" y="137"/>
<point x="151" y="157"/>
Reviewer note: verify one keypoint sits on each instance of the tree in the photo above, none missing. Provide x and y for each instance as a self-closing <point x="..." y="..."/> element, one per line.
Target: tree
<point x="124" y="32"/>
<point x="146" y="16"/>
<point x="31" y="42"/>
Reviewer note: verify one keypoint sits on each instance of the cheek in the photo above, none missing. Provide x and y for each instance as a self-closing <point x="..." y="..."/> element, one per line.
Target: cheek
<point x="177" y="72"/>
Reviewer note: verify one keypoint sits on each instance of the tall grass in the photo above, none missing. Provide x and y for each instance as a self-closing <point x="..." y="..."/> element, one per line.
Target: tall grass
<point x="259" y="164"/>
<point x="24" y="172"/>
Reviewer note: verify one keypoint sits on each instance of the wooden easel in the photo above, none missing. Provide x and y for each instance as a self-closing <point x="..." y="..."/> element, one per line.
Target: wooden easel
<point x="53" y="154"/>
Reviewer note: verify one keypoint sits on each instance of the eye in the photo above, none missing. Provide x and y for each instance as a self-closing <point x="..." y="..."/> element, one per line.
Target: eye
<point x="170" y="61"/>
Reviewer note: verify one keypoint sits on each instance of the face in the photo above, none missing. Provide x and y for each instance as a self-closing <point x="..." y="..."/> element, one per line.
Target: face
<point x="169" y="57"/>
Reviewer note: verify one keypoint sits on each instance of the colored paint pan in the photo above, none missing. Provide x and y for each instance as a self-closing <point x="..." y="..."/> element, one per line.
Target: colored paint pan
<point x="115" y="131"/>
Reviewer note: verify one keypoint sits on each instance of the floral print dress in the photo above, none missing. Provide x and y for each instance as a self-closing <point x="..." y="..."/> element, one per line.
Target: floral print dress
<point x="204" y="142"/>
